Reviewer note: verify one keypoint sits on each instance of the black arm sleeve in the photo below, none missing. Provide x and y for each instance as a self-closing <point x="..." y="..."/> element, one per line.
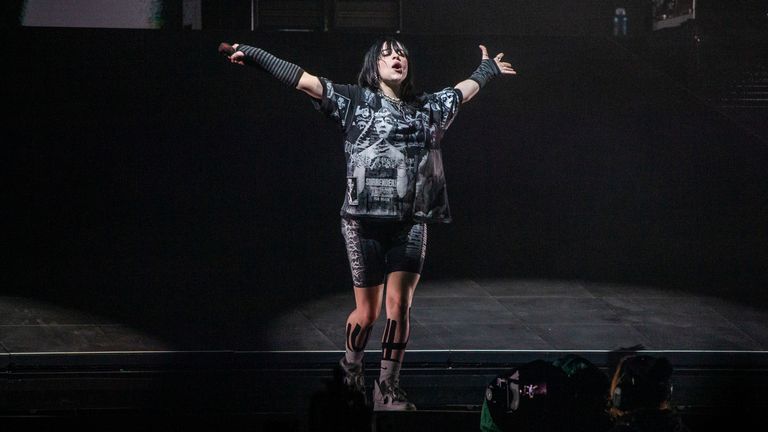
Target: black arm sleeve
<point x="485" y="72"/>
<point x="284" y="71"/>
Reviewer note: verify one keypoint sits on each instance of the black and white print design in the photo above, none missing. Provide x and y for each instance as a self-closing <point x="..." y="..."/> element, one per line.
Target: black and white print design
<point x="350" y="230"/>
<point x="392" y="149"/>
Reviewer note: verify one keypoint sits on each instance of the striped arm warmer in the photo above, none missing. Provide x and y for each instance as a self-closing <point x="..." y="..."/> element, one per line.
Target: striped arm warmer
<point x="284" y="71"/>
<point x="485" y="72"/>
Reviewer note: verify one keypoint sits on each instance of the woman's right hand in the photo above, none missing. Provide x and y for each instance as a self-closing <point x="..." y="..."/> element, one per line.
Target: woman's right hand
<point x="237" y="57"/>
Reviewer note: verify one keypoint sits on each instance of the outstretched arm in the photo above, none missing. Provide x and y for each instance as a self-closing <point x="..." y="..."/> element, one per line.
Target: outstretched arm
<point x="487" y="70"/>
<point x="284" y="71"/>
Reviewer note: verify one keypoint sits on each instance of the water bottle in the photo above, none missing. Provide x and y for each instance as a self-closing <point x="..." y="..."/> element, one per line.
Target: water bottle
<point x="620" y="22"/>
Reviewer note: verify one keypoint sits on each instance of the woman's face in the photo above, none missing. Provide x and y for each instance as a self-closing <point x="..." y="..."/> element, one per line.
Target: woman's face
<point x="393" y="64"/>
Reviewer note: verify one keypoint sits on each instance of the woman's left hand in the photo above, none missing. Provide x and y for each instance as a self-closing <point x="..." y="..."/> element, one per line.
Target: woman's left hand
<point x="504" y="67"/>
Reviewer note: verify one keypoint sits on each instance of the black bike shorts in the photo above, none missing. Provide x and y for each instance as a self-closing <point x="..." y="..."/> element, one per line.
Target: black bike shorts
<point x="377" y="248"/>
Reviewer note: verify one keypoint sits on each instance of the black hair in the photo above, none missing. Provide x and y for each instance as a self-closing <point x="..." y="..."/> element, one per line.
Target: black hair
<point x="369" y="74"/>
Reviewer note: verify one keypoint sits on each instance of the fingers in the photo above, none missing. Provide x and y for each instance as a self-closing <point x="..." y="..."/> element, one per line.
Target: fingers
<point x="504" y="67"/>
<point x="507" y="68"/>
<point x="484" y="51"/>
<point x="231" y="52"/>
<point x="497" y="59"/>
<point x="238" y="58"/>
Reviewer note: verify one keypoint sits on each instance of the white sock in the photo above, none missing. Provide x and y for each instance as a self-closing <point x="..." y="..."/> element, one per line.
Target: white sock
<point x="390" y="370"/>
<point x="354" y="357"/>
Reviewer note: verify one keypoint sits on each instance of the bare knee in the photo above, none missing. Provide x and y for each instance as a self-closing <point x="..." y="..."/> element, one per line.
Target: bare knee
<point x="400" y="288"/>
<point x="397" y="307"/>
<point x="365" y="316"/>
<point x="367" y="305"/>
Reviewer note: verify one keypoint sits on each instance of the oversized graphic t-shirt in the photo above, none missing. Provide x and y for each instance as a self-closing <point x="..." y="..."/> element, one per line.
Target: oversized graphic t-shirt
<point x="392" y="149"/>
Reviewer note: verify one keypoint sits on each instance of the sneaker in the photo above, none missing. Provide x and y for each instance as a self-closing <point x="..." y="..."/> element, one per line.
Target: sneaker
<point x="388" y="396"/>
<point x="353" y="376"/>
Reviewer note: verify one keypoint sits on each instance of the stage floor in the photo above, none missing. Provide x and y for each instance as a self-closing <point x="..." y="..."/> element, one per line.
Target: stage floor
<point x="448" y="315"/>
<point x="62" y="362"/>
<point x="541" y="315"/>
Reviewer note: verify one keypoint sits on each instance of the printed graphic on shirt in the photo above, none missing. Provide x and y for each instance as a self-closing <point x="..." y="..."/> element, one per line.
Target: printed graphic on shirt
<point x="387" y="146"/>
<point x="335" y="104"/>
<point x="379" y="165"/>
<point x="351" y="191"/>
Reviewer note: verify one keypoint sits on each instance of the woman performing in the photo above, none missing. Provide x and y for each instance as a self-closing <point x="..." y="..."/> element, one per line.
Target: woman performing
<point x="395" y="187"/>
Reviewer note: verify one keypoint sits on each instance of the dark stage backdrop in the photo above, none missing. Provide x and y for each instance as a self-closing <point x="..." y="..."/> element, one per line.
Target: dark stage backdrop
<point x="150" y="180"/>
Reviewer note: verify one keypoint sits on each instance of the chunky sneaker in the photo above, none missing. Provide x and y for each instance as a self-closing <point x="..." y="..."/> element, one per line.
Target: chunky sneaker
<point x="388" y="396"/>
<point x="353" y="377"/>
